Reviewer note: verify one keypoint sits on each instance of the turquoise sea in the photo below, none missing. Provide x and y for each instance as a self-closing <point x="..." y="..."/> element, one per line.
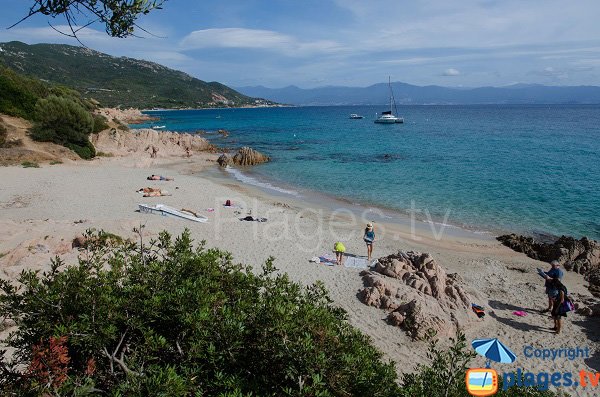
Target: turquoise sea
<point x="497" y="168"/>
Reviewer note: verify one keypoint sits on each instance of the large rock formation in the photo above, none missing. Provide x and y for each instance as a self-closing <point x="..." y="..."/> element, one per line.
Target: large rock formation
<point x="418" y="294"/>
<point x="248" y="156"/>
<point x="123" y="143"/>
<point x="577" y="255"/>
<point x="224" y="160"/>
<point x="581" y="256"/>
<point x="127" y="116"/>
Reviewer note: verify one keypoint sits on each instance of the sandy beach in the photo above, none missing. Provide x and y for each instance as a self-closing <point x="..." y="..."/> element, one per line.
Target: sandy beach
<point x="43" y="209"/>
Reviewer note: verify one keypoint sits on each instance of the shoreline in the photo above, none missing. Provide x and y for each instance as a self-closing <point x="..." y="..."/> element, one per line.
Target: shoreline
<point x="41" y="213"/>
<point x="330" y="203"/>
<point x="492" y="217"/>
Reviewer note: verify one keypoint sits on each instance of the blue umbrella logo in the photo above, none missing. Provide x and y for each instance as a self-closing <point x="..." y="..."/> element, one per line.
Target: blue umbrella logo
<point x="493" y="350"/>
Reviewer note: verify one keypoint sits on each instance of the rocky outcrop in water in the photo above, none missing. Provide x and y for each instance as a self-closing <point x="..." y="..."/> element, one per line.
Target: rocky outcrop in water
<point x="224" y="160"/>
<point x="248" y="156"/>
<point x="417" y="294"/>
<point x="245" y="156"/>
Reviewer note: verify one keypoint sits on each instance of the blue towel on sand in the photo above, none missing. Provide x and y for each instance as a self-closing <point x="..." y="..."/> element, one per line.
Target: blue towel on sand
<point x="356" y="262"/>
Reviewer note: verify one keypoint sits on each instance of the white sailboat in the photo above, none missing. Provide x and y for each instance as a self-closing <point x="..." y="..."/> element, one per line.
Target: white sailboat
<point x="388" y="116"/>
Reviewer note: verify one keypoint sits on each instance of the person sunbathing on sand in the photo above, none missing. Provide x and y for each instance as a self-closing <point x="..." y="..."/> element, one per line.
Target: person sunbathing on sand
<point x="153" y="192"/>
<point x="148" y="190"/>
<point x="159" y="178"/>
<point x="158" y="193"/>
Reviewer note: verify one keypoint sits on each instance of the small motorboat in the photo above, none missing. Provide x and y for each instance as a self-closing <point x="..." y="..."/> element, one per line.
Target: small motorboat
<point x="159" y="127"/>
<point x="356" y="116"/>
<point x="164" y="210"/>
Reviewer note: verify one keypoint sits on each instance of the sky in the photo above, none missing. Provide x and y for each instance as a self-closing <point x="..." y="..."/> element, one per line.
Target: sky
<point x="313" y="43"/>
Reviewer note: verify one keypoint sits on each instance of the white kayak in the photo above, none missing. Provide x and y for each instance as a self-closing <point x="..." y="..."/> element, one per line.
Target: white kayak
<point x="165" y="210"/>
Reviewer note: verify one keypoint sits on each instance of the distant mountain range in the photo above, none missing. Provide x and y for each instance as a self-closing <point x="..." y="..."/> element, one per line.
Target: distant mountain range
<point x="115" y="81"/>
<point x="378" y="94"/>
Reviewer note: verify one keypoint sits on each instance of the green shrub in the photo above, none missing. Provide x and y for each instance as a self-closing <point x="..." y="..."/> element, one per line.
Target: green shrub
<point x="85" y="152"/>
<point x="169" y="319"/>
<point x="100" y="123"/>
<point x="3" y="133"/>
<point x="30" y="164"/>
<point x="19" y="94"/>
<point x="64" y="121"/>
<point x="55" y="162"/>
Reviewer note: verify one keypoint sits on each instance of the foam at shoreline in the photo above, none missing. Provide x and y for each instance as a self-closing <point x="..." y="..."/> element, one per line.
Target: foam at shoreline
<point x="248" y="180"/>
<point x="364" y="211"/>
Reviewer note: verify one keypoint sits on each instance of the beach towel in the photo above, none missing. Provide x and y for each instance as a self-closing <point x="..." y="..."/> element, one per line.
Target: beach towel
<point x="356" y="262"/>
<point x="520" y="313"/>
<point x="327" y="259"/>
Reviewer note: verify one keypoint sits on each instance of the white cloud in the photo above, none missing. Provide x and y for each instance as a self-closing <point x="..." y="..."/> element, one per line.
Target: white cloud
<point x="255" y="39"/>
<point x="235" y="38"/>
<point x="451" y="72"/>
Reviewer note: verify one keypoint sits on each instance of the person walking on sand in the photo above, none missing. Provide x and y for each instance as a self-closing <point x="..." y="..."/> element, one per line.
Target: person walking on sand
<point x="369" y="238"/>
<point x="554" y="273"/>
<point x="558" y="303"/>
<point x="339" y="250"/>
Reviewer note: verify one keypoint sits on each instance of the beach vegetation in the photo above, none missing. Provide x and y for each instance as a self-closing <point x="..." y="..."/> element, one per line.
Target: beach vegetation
<point x="63" y="121"/>
<point x="30" y="164"/>
<point x="19" y="94"/>
<point x="116" y="81"/>
<point x="100" y="123"/>
<point x="3" y="133"/>
<point x="167" y="317"/>
<point x="55" y="162"/>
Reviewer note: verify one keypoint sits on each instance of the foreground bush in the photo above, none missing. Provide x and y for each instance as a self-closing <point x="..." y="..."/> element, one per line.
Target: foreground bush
<point x="66" y="122"/>
<point x="173" y="320"/>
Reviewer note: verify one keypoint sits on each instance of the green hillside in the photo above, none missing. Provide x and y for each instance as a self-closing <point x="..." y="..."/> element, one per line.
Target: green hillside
<point x="117" y="81"/>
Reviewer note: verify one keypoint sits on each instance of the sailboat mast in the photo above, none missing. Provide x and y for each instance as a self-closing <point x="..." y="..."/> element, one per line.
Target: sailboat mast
<point x="391" y="92"/>
<point x="392" y="99"/>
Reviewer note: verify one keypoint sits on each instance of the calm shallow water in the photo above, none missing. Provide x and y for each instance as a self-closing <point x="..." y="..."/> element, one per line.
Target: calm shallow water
<point x="529" y="169"/>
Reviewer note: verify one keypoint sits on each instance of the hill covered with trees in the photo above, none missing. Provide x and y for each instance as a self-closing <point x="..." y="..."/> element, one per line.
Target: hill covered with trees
<point x="118" y="81"/>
